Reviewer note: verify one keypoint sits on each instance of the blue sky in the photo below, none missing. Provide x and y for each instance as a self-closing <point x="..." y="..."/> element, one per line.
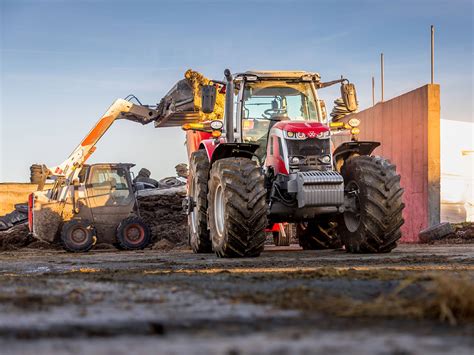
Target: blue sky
<point x="64" y="62"/>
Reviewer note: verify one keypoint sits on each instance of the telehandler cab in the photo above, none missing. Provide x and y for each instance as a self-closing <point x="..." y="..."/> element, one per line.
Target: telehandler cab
<point x="105" y="208"/>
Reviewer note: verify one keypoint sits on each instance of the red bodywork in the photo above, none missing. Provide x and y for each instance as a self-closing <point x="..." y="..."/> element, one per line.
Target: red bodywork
<point x="194" y="140"/>
<point x="310" y="128"/>
<point x="274" y="159"/>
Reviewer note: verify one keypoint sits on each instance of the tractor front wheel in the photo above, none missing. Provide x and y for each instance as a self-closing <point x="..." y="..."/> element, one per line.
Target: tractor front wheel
<point x="373" y="210"/>
<point x="237" y="214"/>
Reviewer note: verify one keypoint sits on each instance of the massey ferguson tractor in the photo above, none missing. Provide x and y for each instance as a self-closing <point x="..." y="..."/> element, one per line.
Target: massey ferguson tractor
<point x="270" y="159"/>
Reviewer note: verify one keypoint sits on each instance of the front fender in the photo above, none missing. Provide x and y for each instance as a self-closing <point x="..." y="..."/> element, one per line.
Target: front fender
<point x="227" y="150"/>
<point x="346" y="149"/>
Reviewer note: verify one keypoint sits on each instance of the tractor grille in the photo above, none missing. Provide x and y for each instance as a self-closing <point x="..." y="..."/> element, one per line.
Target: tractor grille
<point x="308" y="151"/>
<point x="308" y="147"/>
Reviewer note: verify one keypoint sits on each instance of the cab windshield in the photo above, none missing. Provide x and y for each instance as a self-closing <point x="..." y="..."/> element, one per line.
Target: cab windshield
<point x="266" y="102"/>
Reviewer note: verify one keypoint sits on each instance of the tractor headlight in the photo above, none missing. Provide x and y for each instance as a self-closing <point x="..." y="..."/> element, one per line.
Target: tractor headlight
<point x="295" y="135"/>
<point x="295" y="160"/>
<point x="325" y="159"/>
<point x="216" y="125"/>
<point x="323" y="135"/>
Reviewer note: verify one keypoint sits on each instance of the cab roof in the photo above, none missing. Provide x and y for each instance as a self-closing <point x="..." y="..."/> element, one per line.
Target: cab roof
<point x="279" y="74"/>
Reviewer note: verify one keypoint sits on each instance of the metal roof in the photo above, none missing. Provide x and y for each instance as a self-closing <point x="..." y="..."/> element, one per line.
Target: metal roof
<point x="291" y="74"/>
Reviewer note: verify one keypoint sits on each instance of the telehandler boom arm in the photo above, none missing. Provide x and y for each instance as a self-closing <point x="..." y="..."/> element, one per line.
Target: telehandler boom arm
<point x="120" y="109"/>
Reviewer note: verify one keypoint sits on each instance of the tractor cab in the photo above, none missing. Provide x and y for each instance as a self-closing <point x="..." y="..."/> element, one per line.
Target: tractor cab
<point x="281" y="113"/>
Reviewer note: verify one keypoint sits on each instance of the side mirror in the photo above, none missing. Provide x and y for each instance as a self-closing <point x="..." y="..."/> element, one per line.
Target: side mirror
<point x="349" y="96"/>
<point x="208" y="98"/>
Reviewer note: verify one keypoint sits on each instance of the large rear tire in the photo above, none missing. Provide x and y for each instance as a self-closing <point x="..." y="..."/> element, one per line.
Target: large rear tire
<point x="318" y="234"/>
<point x="199" y="238"/>
<point x="237" y="208"/>
<point x="371" y="223"/>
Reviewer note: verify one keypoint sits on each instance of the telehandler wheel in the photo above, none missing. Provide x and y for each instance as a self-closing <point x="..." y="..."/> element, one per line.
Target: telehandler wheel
<point x="78" y="236"/>
<point x="237" y="208"/>
<point x="373" y="216"/>
<point x="198" y="233"/>
<point x="318" y="234"/>
<point x="281" y="239"/>
<point x="132" y="234"/>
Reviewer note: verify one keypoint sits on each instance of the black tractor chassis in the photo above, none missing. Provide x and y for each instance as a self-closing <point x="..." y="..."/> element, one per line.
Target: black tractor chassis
<point x="302" y="196"/>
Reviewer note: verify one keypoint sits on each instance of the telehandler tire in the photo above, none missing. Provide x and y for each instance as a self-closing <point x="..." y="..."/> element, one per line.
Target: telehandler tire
<point x="198" y="233"/>
<point x="318" y="234"/>
<point x="133" y="234"/>
<point x="371" y="223"/>
<point x="237" y="213"/>
<point x="78" y="236"/>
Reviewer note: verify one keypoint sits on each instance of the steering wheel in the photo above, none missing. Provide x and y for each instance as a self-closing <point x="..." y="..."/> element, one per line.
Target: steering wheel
<point x="272" y="111"/>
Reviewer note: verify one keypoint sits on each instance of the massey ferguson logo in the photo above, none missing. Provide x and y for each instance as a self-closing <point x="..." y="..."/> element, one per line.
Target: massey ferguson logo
<point x="311" y="134"/>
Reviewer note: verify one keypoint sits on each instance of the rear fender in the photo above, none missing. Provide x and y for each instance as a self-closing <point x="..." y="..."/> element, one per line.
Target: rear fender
<point x="347" y="149"/>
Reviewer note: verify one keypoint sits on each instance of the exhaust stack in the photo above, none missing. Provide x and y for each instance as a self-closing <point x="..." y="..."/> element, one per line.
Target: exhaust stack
<point x="229" y="106"/>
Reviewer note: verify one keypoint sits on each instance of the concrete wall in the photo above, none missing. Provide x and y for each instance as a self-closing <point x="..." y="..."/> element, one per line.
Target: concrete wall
<point x="408" y="127"/>
<point x="13" y="193"/>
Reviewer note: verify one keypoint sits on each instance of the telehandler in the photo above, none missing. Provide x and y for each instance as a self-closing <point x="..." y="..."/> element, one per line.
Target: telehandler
<point x="90" y="202"/>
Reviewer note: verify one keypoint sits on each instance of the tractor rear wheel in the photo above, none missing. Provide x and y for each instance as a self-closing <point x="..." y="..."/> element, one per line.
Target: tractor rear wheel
<point x="198" y="237"/>
<point x="237" y="208"/>
<point x="78" y="236"/>
<point x="318" y="234"/>
<point x="132" y="234"/>
<point x="373" y="216"/>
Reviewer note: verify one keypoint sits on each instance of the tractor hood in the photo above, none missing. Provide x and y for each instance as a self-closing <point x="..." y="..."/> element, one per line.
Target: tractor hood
<point x="309" y="128"/>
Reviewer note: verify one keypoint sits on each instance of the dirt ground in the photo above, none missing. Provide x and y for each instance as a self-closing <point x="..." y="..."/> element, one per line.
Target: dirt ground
<point x="287" y="301"/>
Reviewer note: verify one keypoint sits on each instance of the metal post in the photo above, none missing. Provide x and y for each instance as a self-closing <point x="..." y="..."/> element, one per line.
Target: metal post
<point x="373" y="91"/>
<point x="432" y="54"/>
<point x="381" y="75"/>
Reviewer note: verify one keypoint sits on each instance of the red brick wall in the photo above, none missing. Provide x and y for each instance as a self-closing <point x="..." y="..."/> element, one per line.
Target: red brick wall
<point x="408" y="128"/>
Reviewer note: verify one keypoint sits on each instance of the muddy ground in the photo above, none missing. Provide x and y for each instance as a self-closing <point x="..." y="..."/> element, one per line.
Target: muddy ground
<point x="418" y="299"/>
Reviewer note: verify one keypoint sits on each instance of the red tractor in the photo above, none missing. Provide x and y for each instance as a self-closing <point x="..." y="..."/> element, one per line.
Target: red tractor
<point x="271" y="160"/>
